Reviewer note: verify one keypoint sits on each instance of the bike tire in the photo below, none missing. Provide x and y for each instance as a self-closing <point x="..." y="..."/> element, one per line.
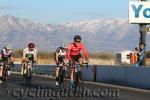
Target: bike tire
<point x="29" y="75"/>
<point x="4" y="83"/>
<point x="61" y="76"/>
<point x="25" y="72"/>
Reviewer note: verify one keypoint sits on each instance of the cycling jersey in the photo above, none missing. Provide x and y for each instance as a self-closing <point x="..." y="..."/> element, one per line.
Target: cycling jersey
<point x="29" y="54"/>
<point x="61" y="53"/>
<point x="5" y="54"/>
<point x="74" y="50"/>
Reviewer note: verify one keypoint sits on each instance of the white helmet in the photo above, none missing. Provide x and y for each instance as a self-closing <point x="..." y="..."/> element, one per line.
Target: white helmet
<point x="64" y="45"/>
<point x="8" y="46"/>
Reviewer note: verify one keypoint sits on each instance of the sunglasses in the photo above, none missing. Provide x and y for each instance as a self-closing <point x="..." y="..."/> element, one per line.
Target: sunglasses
<point x="31" y="48"/>
<point x="78" y="41"/>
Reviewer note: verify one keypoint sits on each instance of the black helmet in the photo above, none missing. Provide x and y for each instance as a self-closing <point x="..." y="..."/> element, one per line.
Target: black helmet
<point x="77" y="38"/>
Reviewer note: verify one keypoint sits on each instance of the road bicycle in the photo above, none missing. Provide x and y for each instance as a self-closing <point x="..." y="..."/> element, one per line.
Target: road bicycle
<point x="6" y="71"/>
<point x="27" y="70"/>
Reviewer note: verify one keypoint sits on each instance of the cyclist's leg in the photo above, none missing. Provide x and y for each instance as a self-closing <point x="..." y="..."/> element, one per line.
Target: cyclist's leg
<point x="11" y="64"/>
<point x="22" y="65"/>
<point x="65" y="66"/>
<point x="72" y="69"/>
<point x="1" y="70"/>
<point x="8" y="69"/>
<point x="26" y="60"/>
<point x="11" y="59"/>
<point x="30" y="72"/>
<point x="1" y="73"/>
<point x="57" y="74"/>
<point x="72" y="75"/>
<point x="31" y="68"/>
<point x="80" y="60"/>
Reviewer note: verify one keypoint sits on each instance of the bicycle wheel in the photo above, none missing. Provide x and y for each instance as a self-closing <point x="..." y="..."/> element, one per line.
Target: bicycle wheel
<point x="61" y="75"/>
<point x="78" y="76"/>
<point x="81" y="79"/>
<point x="10" y="66"/>
<point x="28" y="74"/>
<point x="8" y="69"/>
<point x="4" y="74"/>
<point x="24" y="69"/>
<point x="25" y="72"/>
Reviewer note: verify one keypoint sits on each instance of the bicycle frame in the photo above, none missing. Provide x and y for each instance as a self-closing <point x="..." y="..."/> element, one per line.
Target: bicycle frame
<point x="27" y="71"/>
<point x="77" y="73"/>
<point x="61" y="73"/>
<point x="6" y="67"/>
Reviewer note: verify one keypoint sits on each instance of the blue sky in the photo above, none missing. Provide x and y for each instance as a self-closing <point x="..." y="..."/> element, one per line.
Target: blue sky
<point x="61" y="11"/>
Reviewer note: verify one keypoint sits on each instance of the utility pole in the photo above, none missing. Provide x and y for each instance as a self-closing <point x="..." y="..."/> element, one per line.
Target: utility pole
<point x="142" y="38"/>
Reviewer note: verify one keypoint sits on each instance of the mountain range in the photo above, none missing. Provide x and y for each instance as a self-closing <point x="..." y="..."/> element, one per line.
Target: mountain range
<point x="115" y="34"/>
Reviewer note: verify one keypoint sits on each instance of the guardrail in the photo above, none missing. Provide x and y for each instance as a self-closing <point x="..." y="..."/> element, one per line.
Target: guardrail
<point x="120" y="75"/>
<point x="38" y="69"/>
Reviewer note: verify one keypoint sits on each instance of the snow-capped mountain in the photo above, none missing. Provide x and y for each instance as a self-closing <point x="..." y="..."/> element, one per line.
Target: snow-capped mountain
<point x="98" y="35"/>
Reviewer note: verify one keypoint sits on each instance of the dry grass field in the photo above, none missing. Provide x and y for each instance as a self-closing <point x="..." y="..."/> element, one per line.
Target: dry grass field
<point x="92" y="61"/>
<point x="100" y="58"/>
<point x="44" y="57"/>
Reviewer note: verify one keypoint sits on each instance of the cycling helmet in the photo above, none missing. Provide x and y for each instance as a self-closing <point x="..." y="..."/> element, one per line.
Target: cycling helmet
<point x="8" y="47"/>
<point x="65" y="45"/>
<point x="77" y="38"/>
<point x="31" y="45"/>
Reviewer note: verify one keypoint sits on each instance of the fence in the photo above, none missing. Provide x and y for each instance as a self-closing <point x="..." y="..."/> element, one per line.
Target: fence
<point x="120" y="75"/>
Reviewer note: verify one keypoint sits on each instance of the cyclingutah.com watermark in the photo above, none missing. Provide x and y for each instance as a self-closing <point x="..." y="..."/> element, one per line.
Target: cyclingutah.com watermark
<point x="66" y="92"/>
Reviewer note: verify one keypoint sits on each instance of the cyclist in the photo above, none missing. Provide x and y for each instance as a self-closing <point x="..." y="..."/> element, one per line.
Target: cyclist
<point x="60" y="57"/>
<point x="5" y="55"/>
<point x="29" y="53"/>
<point x="73" y="54"/>
<point x="141" y="54"/>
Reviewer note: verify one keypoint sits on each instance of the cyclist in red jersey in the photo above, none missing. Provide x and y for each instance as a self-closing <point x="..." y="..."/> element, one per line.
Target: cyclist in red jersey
<point x="73" y="54"/>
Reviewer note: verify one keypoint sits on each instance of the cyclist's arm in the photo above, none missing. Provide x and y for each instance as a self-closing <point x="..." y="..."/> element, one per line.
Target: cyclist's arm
<point x="1" y="53"/>
<point x="56" y="56"/>
<point x="24" y="53"/>
<point x="84" y="51"/>
<point x="11" y="57"/>
<point x="35" y="55"/>
<point x="0" y="56"/>
<point x="68" y="53"/>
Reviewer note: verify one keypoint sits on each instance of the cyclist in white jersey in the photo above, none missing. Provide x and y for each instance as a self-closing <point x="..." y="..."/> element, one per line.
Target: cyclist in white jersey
<point x="5" y="55"/>
<point x="60" y="57"/>
<point x="29" y="53"/>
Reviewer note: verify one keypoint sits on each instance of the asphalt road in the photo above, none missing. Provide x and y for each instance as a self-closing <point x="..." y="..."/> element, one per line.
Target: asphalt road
<point x="43" y="88"/>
